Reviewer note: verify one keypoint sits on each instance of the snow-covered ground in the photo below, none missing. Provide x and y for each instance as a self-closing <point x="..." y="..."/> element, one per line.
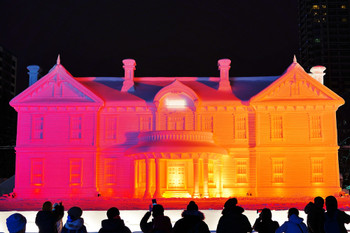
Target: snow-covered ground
<point x="132" y="218"/>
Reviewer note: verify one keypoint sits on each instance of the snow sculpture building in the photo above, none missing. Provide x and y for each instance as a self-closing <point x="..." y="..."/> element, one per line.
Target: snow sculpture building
<point x="176" y="136"/>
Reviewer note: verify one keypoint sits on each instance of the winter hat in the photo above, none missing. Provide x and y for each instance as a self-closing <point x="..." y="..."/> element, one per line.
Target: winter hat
<point x="230" y="203"/>
<point x="75" y="212"/>
<point x="112" y="212"/>
<point x="16" y="222"/>
<point x="192" y="206"/>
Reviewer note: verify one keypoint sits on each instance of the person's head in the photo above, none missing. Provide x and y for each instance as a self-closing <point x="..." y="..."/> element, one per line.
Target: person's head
<point x="113" y="213"/>
<point x="192" y="206"/>
<point x="331" y="203"/>
<point x="74" y="213"/>
<point x="292" y="211"/>
<point x="157" y="210"/>
<point x="266" y="214"/>
<point x="47" y="206"/>
<point x="319" y="202"/>
<point x="230" y="203"/>
<point x="16" y="223"/>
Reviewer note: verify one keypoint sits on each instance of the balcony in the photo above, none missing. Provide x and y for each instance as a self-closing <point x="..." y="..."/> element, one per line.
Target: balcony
<point x="175" y="141"/>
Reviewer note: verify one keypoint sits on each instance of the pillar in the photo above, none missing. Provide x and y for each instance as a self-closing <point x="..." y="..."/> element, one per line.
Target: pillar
<point x="205" y="181"/>
<point x="157" y="193"/>
<point x="196" y="177"/>
<point x="220" y="177"/>
<point x="148" y="180"/>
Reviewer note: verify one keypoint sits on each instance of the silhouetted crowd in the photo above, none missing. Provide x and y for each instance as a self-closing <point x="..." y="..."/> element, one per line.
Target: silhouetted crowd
<point x="49" y="220"/>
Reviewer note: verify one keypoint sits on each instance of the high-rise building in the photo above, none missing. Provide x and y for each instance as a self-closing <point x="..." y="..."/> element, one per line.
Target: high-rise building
<point x="325" y="40"/>
<point x="8" y="117"/>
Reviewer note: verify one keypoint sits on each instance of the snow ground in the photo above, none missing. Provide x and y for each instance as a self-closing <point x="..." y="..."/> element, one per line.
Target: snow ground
<point x="132" y="218"/>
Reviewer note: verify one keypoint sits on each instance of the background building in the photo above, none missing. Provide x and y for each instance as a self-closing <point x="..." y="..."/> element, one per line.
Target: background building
<point x="8" y="117"/>
<point x="325" y="40"/>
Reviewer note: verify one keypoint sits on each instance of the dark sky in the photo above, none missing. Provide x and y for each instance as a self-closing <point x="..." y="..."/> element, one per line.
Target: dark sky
<point x="166" y="38"/>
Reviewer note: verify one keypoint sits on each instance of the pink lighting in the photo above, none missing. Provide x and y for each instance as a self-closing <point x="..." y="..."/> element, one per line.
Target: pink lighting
<point x="135" y="137"/>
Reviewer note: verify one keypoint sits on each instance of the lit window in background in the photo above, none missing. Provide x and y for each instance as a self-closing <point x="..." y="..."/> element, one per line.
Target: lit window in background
<point x="315" y="7"/>
<point x="175" y="103"/>
<point x="343" y="7"/>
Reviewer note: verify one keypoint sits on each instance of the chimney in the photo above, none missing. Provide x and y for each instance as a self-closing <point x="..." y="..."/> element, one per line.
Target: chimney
<point x="129" y="67"/>
<point x="317" y="72"/>
<point x="224" y="67"/>
<point x="33" y="73"/>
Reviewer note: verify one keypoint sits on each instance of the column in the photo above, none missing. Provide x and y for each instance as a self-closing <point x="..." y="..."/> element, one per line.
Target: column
<point x="157" y="193"/>
<point x="148" y="180"/>
<point x="196" y="178"/>
<point x="220" y="177"/>
<point x="205" y="181"/>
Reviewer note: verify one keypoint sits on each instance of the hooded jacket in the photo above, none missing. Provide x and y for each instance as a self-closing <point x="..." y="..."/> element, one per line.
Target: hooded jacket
<point x="192" y="221"/>
<point x="233" y="221"/>
<point x="293" y="225"/>
<point x="76" y="226"/>
<point x="114" y="226"/>
<point x="315" y="218"/>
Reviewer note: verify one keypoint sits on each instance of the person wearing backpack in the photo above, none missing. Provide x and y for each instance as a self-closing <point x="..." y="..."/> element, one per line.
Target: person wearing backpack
<point x="335" y="218"/>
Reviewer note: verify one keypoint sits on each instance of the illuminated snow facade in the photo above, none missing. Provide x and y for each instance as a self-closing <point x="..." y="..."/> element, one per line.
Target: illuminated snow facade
<point x="176" y="136"/>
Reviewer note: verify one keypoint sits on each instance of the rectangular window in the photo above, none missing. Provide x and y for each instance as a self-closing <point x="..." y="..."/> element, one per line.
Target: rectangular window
<point x="38" y="127"/>
<point x="145" y="123"/>
<point x="317" y="170"/>
<point x="37" y="172"/>
<point x="277" y="171"/>
<point x="111" y="128"/>
<point x="176" y="122"/>
<point x="140" y="166"/>
<point x="315" y="127"/>
<point x="75" y="127"/>
<point x="110" y="171"/>
<point x="240" y="126"/>
<point x="276" y="127"/>
<point x="207" y="123"/>
<point x="75" y="172"/>
<point x="242" y="170"/>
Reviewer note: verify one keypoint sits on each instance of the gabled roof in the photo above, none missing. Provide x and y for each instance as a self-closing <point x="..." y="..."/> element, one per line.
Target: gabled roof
<point x="296" y="86"/>
<point x="58" y="87"/>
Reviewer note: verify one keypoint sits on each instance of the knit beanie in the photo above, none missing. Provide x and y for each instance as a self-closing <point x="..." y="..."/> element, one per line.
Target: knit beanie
<point x="75" y="212"/>
<point x="16" y="222"/>
<point x="192" y="206"/>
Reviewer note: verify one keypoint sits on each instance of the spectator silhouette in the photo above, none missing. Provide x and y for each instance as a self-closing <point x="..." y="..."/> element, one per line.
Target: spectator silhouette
<point x="315" y="215"/>
<point x="191" y="221"/>
<point x="48" y="219"/>
<point x="233" y="220"/>
<point x="74" y="221"/>
<point x="294" y="224"/>
<point x="113" y="224"/>
<point x="159" y="223"/>
<point x="334" y="218"/>
<point x="16" y="223"/>
<point x="264" y="223"/>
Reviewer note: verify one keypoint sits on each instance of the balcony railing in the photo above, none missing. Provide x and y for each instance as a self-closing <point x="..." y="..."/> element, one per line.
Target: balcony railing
<point x="176" y="135"/>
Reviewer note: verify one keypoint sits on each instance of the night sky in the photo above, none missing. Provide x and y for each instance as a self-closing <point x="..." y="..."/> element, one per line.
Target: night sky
<point x="166" y="38"/>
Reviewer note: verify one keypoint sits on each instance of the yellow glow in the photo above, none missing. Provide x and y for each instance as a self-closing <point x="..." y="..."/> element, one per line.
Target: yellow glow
<point x="316" y="7"/>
